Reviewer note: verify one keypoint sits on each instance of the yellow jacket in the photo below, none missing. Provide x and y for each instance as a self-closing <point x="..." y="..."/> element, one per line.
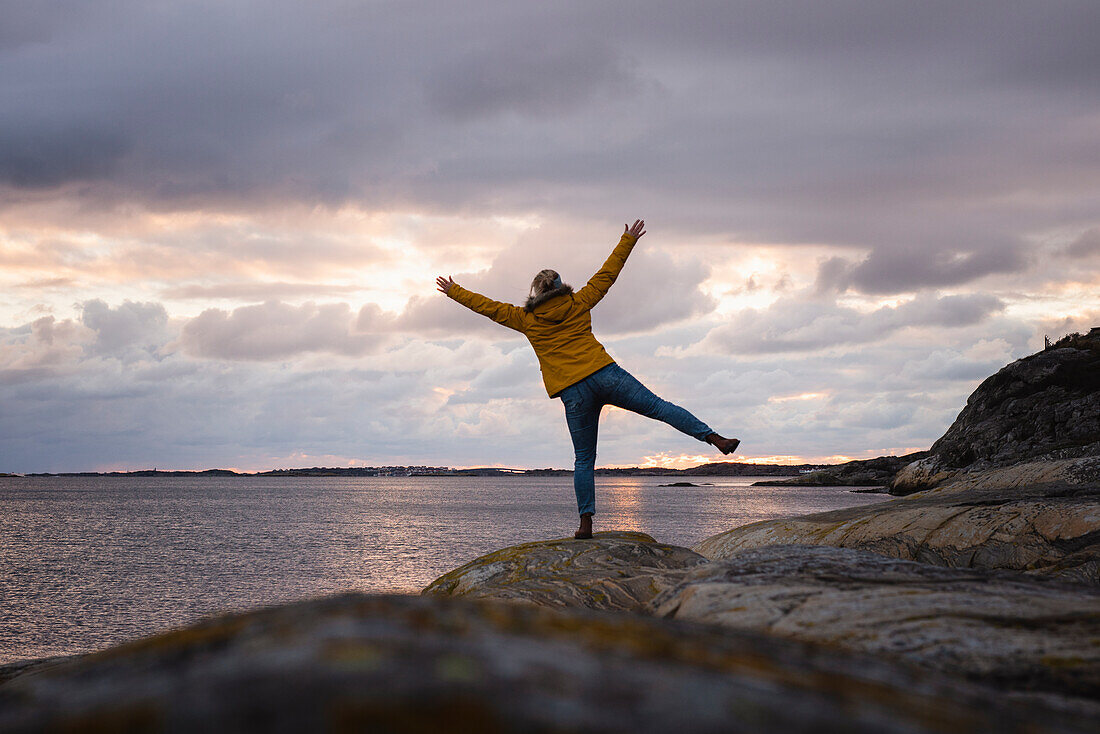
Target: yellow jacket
<point x="559" y="329"/>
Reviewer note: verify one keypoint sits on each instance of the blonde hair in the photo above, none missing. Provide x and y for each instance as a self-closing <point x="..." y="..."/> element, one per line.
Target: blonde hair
<point x="545" y="283"/>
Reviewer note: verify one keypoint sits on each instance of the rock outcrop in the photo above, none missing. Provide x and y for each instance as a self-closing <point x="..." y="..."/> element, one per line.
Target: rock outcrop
<point x="615" y="570"/>
<point x="1015" y="632"/>
<point x="1042" y="407"/>
<point x="412" y="664"/>
<point x="1042" y="518"/>
<point x="1014" y="483"/>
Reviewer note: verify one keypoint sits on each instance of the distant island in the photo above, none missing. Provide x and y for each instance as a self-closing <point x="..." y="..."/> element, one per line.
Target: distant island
<point x="719" y="469"/>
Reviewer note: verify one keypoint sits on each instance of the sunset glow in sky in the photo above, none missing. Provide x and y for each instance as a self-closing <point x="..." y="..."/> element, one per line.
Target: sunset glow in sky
<point x="220" y="222"/>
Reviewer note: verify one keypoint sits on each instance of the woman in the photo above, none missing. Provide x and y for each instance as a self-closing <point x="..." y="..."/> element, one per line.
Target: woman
<point x="576" y="368"/>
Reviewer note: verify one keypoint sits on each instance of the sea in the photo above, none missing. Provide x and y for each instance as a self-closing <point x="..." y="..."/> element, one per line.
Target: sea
<point x="88" y="562"/>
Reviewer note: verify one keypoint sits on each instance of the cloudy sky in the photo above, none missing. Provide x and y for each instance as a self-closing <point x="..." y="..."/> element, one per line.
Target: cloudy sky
<point x="220" y="221"/>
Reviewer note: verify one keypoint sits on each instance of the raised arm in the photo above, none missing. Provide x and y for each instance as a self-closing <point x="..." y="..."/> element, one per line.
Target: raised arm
<point x="502" y="313"/>
<point x="600" y="283"/>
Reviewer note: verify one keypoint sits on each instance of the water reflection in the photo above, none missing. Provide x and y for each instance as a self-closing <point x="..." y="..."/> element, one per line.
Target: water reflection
<point x="624" y="499"/>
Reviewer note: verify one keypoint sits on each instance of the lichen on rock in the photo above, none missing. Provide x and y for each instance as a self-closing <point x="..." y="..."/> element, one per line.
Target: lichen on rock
<point x="614" y="570"/>
<point x="1017" y="632"/>
<point x="1041" y="518"/>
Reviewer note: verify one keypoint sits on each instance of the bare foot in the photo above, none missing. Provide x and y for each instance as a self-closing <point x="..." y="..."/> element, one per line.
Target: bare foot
<point x="584" y="532"/>
<point x="725" y="445"/>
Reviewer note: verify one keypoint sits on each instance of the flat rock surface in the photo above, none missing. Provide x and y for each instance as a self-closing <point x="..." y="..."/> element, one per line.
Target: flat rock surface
<point x="1040" y="517"/>
<point x="614" y="570"/>
<point x="1012" y="631"/>
<point x="412" y="664"/>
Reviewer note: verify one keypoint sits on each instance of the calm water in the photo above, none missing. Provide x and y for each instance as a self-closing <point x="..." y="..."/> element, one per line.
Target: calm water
<point x="88" y="562"/>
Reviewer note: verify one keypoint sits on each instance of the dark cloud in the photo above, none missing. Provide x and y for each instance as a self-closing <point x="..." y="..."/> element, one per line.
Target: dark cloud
<point x="38" y="22"/>
<point x="275" y="330"/>
<point x="1087" y="245"/>
<point x="896" y="127"/>
<point x="941" y="366"/>
<point x="438" y="316"/>
<point x="141" y="325"/>
<point x="834" y="274"/>
<point x="652" y="292"/>
<point x="911" y="269"/>
<point x="46" y="154"/>
<point x="40" y="348"/>
<point x="799" y="324"/>
<point x="526" y="75"/>
<point x="513" y="378"/>
<point x="46" y="283"/>
<point x="255" y="291"/>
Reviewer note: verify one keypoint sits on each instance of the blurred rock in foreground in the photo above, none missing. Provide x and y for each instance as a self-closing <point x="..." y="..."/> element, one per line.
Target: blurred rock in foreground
<point x="424" y="664"/>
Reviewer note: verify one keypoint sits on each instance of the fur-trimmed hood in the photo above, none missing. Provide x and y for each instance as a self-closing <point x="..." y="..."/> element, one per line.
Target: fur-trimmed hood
<point x="535" y="301"/>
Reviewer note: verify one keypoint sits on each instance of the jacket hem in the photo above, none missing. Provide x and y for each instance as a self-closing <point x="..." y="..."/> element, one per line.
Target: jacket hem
<point x="594" y="370"/>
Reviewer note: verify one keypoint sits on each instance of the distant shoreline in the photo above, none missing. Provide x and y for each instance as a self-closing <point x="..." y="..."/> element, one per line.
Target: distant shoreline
<point x="733" y="469"/>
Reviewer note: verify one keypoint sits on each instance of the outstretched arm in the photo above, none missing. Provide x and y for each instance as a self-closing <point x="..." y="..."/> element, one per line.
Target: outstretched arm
<point x="502" y="313"/>
<point x="600" y="283"/>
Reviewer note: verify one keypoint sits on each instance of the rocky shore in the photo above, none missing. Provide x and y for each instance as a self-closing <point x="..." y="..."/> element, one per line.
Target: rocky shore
<point x="877" y="472"/>
<point x="969" y="603"/>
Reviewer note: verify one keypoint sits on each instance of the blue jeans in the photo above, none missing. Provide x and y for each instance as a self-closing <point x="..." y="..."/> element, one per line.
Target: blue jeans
<point x="612" y="385"/>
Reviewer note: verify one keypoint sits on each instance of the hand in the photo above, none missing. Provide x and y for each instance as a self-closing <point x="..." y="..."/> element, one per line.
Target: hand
<point x="637" y="230"/>
<point x="444" y="284"/>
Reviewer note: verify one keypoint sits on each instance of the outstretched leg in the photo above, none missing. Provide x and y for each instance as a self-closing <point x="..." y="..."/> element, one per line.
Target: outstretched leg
<point x="625" y="391"/>
<point x="632" y="395"/>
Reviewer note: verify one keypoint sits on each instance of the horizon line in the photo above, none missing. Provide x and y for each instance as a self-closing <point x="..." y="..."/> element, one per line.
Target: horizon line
<point x="472" y="467"/>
